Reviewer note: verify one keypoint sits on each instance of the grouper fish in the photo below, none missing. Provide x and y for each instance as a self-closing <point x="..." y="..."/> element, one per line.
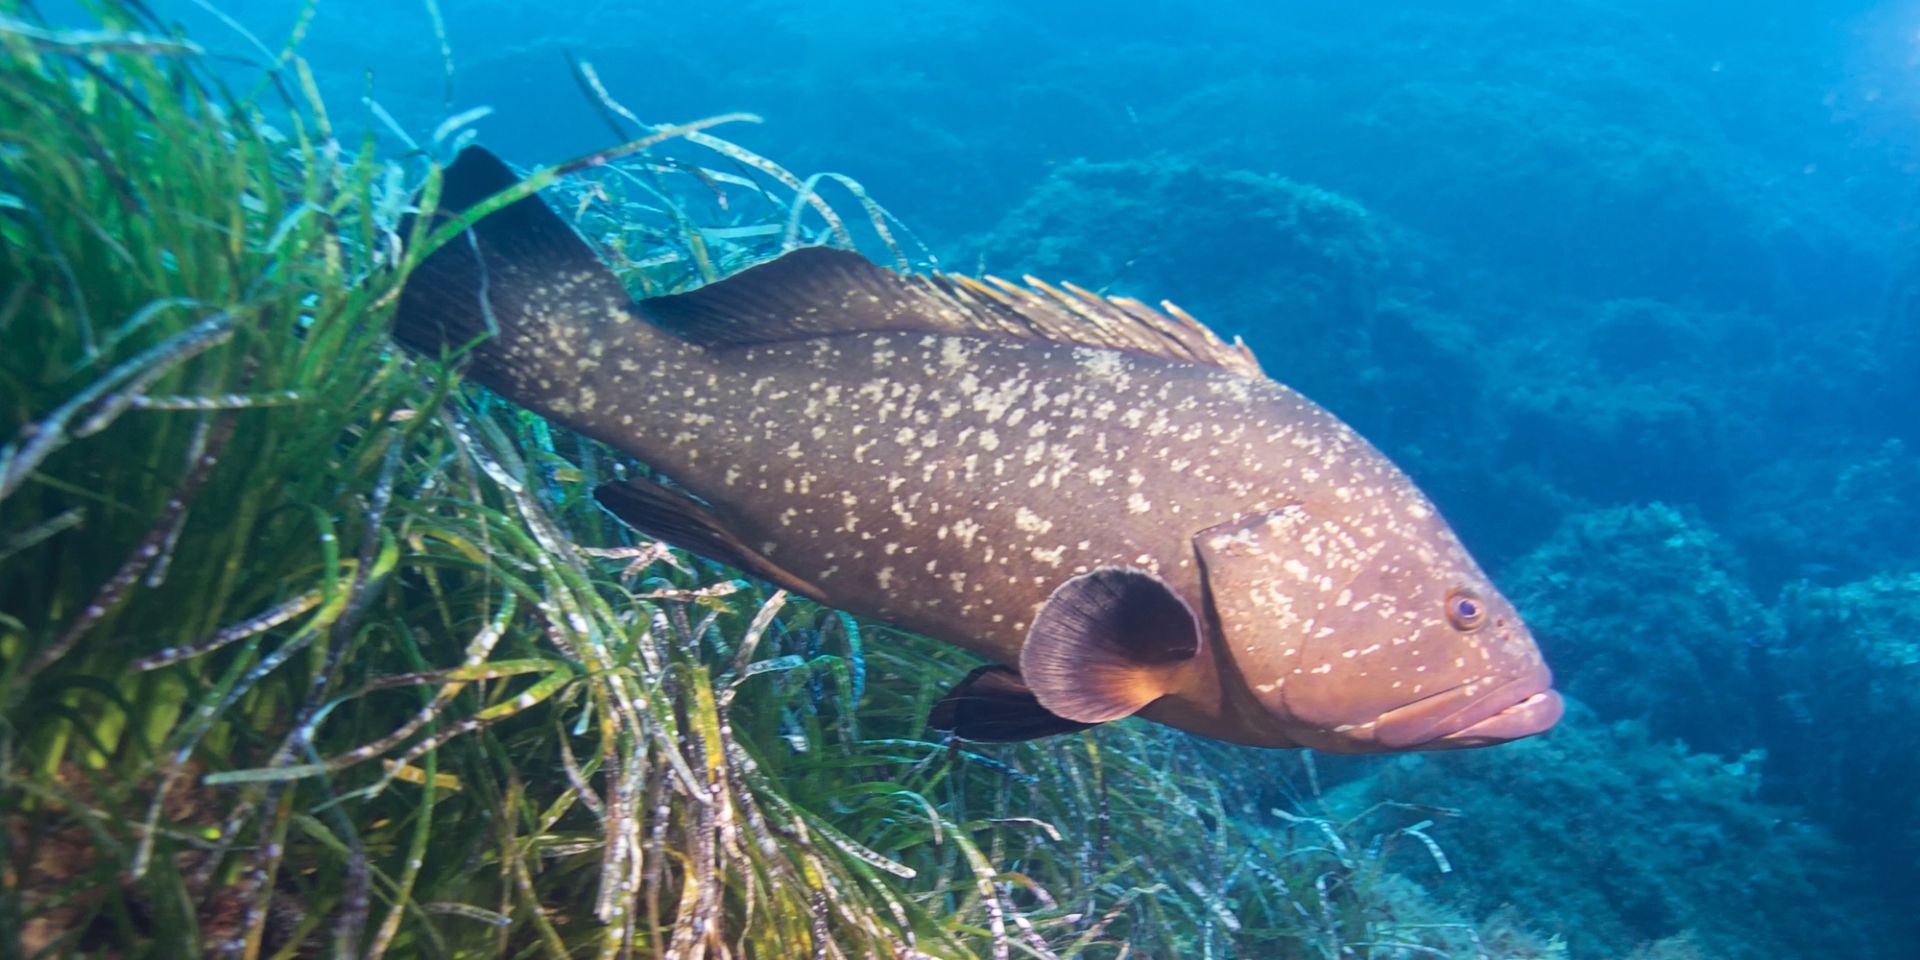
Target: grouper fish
<point x="1107" y="501"/>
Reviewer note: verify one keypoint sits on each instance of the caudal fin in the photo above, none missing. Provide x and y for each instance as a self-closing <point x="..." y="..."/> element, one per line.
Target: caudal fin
<point x="520" y="274"/>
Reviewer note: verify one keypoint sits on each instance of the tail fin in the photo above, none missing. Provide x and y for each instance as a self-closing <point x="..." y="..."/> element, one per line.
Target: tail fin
<point x="520" y="274"/>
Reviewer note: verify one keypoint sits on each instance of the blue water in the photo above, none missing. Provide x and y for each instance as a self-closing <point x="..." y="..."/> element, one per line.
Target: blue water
<point x="1629" y="287"/>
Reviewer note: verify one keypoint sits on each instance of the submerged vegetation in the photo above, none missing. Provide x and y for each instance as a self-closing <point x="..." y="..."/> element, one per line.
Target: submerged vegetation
<point x="306" y="649"/>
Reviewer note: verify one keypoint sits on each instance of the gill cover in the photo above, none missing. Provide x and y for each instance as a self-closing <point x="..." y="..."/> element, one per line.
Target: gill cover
<point x="1251" y="594"/>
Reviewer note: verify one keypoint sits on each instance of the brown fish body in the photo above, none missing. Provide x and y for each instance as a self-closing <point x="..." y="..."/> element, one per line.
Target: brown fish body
<point x="948" y="484"/>
<point x="1168" y="531"/>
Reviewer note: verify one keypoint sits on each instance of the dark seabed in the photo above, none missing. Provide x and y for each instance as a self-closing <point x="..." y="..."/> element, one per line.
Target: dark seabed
<point x="1629" y="288"/>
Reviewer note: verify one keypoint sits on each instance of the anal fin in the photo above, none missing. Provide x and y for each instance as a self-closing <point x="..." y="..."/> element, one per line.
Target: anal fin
<point x="994" y="705"/>
<point x="670" y="515"/>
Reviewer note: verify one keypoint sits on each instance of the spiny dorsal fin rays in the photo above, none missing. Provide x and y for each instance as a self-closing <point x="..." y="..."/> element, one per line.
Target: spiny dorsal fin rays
<point x="1077" y="315"/>
<point x="975" y="286"/>
<point x="817" y="291"/>
<point x="1234" y="356"/>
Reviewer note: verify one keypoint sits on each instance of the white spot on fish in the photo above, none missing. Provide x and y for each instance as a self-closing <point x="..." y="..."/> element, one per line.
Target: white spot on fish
<point x="1031" y="522"/>
<point x="954" y="353"/>
<point x="1104" y="365"/>
<point x="965" y="530"/>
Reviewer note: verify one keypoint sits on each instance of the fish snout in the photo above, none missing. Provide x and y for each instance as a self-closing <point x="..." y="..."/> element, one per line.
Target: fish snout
<point x="1536" y="714"/>
<point x="1474" y="714"/>
<point x="1498" y="689"/>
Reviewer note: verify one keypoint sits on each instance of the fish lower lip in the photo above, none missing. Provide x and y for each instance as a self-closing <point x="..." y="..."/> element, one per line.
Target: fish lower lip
<point x="1518" y="708"/>
<point x="1533" y="715"/>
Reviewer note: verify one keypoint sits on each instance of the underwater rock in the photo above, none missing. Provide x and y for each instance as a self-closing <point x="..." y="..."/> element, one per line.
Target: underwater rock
<point x="1849" y="665"/>
<point x="1830" y="518"/>
<point x="1590" y="202"/>
<point x="1619" y="443"/>
<point x="1631" y="400"/>
<point x="1645" y="615"/>
<point x="1621" y="840"/>
<point x="1410" y="913"/>
<point x="1651" y="340"/>
<point x="1593" y="149"/>
<point x="1756" y="422"/>
<point x="1176" y="220"/>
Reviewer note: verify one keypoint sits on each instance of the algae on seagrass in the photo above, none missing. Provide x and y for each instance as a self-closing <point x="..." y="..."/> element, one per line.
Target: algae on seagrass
<point x="305" y="649"/>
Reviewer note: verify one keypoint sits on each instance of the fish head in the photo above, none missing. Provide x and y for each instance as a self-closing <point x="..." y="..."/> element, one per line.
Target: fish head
<point x="1371" y="630"/>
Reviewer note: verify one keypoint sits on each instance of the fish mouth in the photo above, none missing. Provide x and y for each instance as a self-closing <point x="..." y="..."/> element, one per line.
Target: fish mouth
<point x="1462" y="717"/>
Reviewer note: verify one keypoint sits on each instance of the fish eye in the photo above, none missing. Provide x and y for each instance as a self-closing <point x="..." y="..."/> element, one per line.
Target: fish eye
<point x="1466" y="610"/>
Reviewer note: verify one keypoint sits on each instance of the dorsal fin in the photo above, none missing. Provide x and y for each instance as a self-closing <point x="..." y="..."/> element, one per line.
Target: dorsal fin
<point x="818" y="291"/>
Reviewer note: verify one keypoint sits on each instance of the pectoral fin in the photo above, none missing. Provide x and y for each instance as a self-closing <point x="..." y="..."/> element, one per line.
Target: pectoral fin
<point x="1108" y="643"/>
<point x="670" y="515"/>
<point x="994" y="705"/>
